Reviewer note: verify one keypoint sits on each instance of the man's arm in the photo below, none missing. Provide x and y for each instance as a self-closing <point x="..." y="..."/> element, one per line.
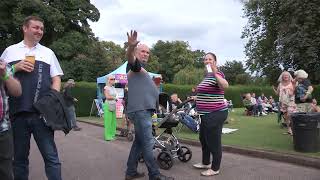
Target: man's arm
<point x="13" y="86"/>
<point x="56" y="83"/>
<point x="132" y="44"/>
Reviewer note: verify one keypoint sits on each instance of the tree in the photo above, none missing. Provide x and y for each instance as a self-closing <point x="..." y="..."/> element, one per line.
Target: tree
<point x="231" y="69"/>
<point x="173" y="56"/>
<point x="67" y="32"/>
<point x="243" y="79"/>
<point x="283" y="34"/>
<point x="189" y="75"/>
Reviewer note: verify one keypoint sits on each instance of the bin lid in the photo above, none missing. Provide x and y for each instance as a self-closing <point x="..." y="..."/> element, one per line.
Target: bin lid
<point x="306" y="116"/>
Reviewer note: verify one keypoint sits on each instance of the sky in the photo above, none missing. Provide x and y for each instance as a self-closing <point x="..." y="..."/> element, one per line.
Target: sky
<point x="209" y="25"/>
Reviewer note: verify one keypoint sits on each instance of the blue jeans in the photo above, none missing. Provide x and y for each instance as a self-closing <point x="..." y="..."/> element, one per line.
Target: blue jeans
<point x="143" y="143"/>
<point x="23" y="125"/>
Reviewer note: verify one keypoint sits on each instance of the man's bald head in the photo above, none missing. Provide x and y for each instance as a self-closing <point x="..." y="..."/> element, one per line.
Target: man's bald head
<point x="142" y="53"/>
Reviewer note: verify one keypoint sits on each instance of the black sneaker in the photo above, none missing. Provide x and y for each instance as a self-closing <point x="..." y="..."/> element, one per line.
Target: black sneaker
<point x="136" y="176"/>
<point x="162" y="177"/>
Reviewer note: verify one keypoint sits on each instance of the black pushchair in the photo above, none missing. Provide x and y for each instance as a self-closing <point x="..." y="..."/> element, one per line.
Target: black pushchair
<point x="166" y="142"/>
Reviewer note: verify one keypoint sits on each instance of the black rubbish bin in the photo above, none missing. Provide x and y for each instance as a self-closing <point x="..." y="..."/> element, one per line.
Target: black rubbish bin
<point x="306" y="132"/>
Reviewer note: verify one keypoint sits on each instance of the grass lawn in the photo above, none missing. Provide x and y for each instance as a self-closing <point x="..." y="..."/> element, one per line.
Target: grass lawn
<point x="253" y="132"/>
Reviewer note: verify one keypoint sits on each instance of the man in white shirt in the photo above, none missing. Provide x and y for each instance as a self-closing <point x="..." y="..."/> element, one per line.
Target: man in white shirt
<point x="38" y="74"/>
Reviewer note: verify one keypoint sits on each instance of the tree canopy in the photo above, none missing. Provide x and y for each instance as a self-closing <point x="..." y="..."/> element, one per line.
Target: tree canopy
<point x="283" y="35"/>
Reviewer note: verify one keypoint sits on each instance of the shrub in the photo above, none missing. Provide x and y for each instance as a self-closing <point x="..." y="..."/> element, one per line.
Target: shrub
<point x="85" y="92"/>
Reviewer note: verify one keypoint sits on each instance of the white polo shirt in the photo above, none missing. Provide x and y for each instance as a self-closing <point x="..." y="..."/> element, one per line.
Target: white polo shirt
<point x="36" y="83"/>
<point x="18" y="52"/>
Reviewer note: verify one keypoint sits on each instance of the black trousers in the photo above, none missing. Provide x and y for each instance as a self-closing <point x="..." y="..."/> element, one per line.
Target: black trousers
<point x="210" y="137"/>
<point x="6" y="155"/>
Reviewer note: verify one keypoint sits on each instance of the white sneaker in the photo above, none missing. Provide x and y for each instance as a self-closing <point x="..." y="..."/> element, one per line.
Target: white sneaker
<point x="202" y="166"/>
<point x="209" y="172"/>
<point x="264" y="114"/>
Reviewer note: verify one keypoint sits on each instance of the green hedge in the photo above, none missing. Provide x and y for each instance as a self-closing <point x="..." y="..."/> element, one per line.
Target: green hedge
<point x="85" y="92"/>
<point x="232" y="93"/>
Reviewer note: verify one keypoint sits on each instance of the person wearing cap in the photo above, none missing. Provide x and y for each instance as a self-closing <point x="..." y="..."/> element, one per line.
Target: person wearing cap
<point x="70" y="100"/>
<point x="303" y="91"/>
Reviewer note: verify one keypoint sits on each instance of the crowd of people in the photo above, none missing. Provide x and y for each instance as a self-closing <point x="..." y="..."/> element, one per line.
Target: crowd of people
<point x="259" y="106"/>
<point x="295" y="95"/>
<point x="28" y="79"/>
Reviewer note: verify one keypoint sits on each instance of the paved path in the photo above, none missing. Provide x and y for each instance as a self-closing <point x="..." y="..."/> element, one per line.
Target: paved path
<point x="86" y="156"/>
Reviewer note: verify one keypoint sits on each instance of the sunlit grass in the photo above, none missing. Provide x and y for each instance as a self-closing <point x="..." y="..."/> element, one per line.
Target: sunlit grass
<point x="253" y="132"/>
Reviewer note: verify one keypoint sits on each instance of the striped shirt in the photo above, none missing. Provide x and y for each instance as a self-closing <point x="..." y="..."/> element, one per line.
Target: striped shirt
<point x="4" y="106"/>
<point x="210" y="97"/>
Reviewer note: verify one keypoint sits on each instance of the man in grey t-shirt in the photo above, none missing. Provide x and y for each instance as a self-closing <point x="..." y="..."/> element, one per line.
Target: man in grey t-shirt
<point x="142" y="98"/>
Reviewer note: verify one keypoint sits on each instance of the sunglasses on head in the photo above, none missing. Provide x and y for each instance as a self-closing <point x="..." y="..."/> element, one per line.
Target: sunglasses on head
<point x="112" y="79"/>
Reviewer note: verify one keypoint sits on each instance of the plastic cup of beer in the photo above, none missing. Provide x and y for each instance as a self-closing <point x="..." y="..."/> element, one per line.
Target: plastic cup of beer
<point x="30" y="58"/>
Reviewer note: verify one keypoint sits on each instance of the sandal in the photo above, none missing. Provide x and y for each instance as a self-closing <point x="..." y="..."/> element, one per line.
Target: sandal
<point x="209" y="172"/>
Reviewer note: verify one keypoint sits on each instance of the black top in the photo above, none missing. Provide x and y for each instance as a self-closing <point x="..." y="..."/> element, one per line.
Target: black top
<point x="301" y="91"/>
<point x="68" y="98"/>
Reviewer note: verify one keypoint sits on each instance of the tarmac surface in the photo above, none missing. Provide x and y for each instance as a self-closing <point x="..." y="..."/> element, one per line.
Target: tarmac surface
<point x="86" y="156"/>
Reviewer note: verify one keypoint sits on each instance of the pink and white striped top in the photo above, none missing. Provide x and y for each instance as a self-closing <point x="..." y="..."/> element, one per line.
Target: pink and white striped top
<point x="210" y="97"/>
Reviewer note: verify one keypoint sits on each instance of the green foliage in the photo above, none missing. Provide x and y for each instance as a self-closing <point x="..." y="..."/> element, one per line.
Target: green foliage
<point x="316" y="93"/>
<point x="175" y="56"/>
<point x="189" y="75"/>
<point x="85" y="93"/>
<point x="283" y="33"/>
<point x="231" y="70"/>
<point x="67" y="33"/>
<point x="182" y="90"/>
<point x="242" y="79"/>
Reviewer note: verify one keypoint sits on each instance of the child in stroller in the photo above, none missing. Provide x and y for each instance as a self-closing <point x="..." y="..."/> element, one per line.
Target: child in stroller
<point x="166" y="142"/>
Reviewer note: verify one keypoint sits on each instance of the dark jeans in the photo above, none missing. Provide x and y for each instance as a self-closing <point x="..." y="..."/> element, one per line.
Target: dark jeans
<point x="6" y="155"/>
<point x="143" y="142"/>
<point x="72" y="116"/>
<point x="24" y="125"/>
<point x="210" y="137"/>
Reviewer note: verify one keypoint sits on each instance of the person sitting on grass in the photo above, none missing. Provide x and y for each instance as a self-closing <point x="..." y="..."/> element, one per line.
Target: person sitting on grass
<point x="251" y="108"/>
<point x="175" y="100"/>
<point x="273" y="104"/>
<point x="258" y="106"/>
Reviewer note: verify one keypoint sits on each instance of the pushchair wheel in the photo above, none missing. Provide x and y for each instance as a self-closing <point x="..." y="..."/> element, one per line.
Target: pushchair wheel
<point x="123" y="133"/>
<point x="184" y="154"/>
<point x="165" y="160"/>
<point x="130" y="136"/>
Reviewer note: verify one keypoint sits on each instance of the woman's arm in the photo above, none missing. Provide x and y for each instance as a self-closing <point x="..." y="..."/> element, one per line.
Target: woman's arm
<point x="223" y="83"/>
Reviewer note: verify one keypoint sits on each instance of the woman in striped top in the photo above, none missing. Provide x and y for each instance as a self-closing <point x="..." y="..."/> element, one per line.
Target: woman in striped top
<point x="213" y="112"/>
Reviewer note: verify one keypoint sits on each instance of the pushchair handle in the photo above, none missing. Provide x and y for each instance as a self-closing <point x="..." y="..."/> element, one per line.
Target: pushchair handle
<point x="183" y="103"/>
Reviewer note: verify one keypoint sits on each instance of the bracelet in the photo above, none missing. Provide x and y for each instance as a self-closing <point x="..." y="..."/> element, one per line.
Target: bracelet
<point x="13" y="69"/>
<point x="5" y="76"/>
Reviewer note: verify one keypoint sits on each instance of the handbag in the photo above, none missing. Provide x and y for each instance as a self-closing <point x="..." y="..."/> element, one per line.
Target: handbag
<point x="112" y="105"/>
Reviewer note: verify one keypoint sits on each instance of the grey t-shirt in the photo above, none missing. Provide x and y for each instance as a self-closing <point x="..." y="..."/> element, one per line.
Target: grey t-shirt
<point x="142" y="91"/>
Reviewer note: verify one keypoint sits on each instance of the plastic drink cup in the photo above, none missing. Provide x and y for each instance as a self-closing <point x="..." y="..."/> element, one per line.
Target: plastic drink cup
<point x="30" y="58"/>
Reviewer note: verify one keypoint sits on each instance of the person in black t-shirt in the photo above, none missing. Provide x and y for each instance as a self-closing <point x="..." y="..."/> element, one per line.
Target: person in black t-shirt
<point x="70" y="100"/>
<point x="175" y="100"/>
